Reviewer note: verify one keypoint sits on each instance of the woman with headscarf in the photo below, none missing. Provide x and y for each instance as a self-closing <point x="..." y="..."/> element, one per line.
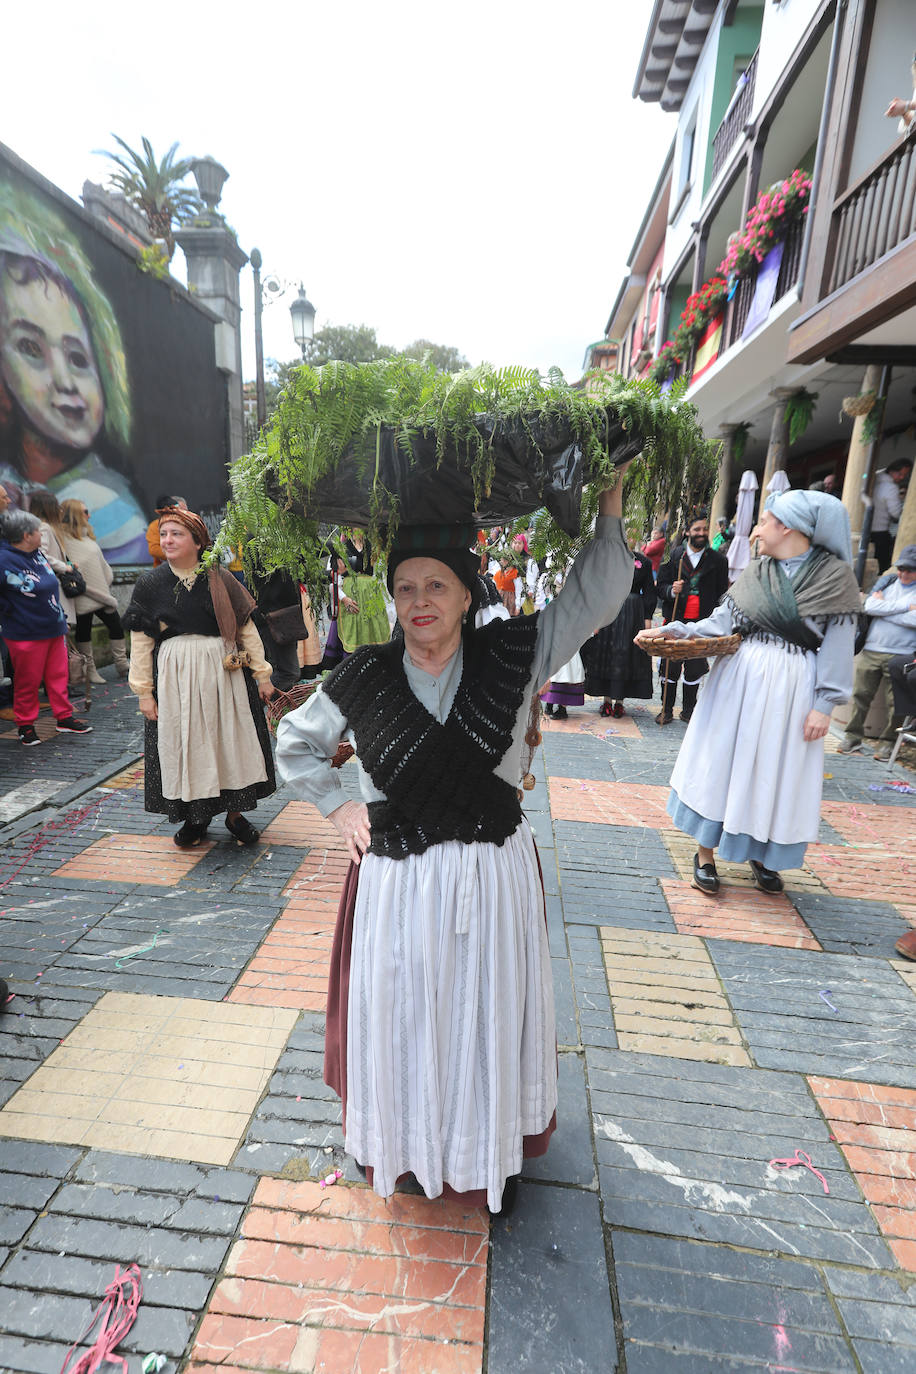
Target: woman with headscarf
<point x="748" y="778"/>
<point x="198" y="667"/>
<point x="440" y="1032"/>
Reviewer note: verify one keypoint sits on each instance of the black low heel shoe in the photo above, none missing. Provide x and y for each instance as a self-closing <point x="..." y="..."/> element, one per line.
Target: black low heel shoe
<point x="705" y="877"/>
<point x="189" y="835"/>
<point x="242" y="830"/>
<point x="767" y="879"/>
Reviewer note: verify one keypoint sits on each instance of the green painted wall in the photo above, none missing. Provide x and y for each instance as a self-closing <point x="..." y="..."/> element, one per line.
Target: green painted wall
<point x="739" y="41"/>
<point x="678" y="299"/>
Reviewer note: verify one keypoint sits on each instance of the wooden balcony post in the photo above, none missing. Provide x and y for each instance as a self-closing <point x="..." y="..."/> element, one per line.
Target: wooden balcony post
<point x="778" y="451"/>
<point x="724" y="477"/>
<point x="857" y="460"/>
<point x="906" y="533"/>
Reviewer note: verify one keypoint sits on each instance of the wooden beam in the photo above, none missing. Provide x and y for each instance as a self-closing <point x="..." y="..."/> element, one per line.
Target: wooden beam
<point x="870" y="299"/>
<point x="864" y="355"/>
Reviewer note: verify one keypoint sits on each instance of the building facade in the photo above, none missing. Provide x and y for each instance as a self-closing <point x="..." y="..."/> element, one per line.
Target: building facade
<point x="786" y="269"/>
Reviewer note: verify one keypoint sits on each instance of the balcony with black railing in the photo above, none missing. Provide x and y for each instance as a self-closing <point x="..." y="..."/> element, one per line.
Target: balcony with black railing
<point x="736" y="116"/>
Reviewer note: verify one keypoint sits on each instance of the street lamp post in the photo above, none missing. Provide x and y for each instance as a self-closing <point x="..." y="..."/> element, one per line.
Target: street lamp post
<point x="255" y="260"/>
<point x="303" y="316"/>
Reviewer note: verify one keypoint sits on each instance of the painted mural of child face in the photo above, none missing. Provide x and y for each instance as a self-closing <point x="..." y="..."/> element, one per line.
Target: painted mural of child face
<point x="47" y="361"/>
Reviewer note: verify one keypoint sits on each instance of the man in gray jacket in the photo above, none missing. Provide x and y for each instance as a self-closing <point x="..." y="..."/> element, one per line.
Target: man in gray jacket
<point x="892" y="606"/>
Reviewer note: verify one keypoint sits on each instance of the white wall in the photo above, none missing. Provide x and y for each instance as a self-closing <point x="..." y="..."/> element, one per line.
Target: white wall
<point x="698" y="99"/>
<point x="784" y="26"/>
<point x="887" y="74"/>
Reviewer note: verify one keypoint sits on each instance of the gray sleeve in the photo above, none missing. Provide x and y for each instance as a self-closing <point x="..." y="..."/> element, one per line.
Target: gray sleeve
<point x="307" y="740"/>
<point x="833" y="679"/>
<point x="596" y="587"/>
<point x="721" y="622"/>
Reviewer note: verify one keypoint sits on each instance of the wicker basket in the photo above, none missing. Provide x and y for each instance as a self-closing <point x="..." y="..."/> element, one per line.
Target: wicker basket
<point x="716" y="646"/>
<point x="862" y="404"/>
<point x="281" y="703"/>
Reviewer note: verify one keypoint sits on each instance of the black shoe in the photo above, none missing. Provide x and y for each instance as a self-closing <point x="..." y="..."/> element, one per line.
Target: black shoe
<point x="189" y="835"/>
<point x="4" y="994"/>
<point x="242" y="830"/>
<point x="605" y="709"/>
<point x="705" y="876"/>
<point x="561" y="713"/>
<point x="549" y="708"/>
<point x="28" y="735"/>
<point x="664" y="718"/>
<point x="72" y="726"/>
<point x="767" y="879"/>
<point x="509" y="1198"/>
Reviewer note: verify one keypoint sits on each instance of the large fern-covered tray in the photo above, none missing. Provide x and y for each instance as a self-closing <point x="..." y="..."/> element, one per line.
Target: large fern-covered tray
<point x="529" y="463"/>
<point x="393" y="442"/>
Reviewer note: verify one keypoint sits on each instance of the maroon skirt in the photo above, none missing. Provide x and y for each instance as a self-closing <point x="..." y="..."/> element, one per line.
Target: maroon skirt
<point x="335" y="1034"/>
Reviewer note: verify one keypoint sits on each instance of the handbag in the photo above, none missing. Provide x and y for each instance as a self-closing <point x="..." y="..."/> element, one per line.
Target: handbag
<point x="72" y="582"/>
<point x="286" y="625"/>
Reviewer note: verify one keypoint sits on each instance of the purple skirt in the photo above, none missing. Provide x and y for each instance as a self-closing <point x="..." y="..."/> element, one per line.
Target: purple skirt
<point x="565" y="694"/>
<point x="333" y="650"/>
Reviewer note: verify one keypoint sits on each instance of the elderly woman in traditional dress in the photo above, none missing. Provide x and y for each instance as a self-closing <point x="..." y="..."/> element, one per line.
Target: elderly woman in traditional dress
<point x="748" y="777"/>
<point x="198" y="667"/>
<point x="440" y="1030"/>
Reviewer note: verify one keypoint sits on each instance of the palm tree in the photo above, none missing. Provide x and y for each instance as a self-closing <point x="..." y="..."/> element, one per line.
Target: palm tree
<point x="155" y="188"/>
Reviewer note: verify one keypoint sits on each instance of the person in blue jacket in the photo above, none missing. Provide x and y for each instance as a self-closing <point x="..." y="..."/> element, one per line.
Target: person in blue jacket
<point x="34" y="626"/>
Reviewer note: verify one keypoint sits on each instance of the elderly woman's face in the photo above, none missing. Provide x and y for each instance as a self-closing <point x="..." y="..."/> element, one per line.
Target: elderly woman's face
<point x="29" y="542"/>
<point x="47" y="361"/>
<point x="430" y="601"/>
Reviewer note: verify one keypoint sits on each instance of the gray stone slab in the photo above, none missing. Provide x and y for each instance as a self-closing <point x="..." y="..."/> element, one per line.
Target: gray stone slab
<point x="24" y="1356"/>
<point x="880" y="1315"/>
<point x="570" y="1158"/>
<point x="567" y="1031"/>
<point x="864" y="1027"/>
<point x="50" y="1273"/>
<point x="707" y="1175"/>
<point x="161" y="1248"/>
<point x="549" y="1307"/>
<point x="14" y="1222"/>
<point x="147" y="1208"/>
<point x="849" y="925"/>
<point x="31" y="1157"/>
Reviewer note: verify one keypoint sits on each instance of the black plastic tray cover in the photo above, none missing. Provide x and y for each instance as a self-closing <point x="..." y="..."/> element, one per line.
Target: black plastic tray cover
<point x="541" y="464"/>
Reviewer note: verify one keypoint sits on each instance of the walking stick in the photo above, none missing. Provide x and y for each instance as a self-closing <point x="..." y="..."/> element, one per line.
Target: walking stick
<point x="677" y="597"/>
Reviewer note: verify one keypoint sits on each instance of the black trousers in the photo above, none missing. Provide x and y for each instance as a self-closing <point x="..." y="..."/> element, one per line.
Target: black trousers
<point x="283" y="658"/>
<point x="670" y="669"/>
<point x="904" y="684"/>
<point x="883" y="541"/>
<point x="110" y="619"/>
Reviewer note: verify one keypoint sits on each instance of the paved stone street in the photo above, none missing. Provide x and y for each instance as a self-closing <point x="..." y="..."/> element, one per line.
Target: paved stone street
<point x="162" y="1099"/>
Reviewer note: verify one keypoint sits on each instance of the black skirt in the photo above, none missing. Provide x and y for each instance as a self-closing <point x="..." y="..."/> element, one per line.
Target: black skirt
<point x="614" y="667"/>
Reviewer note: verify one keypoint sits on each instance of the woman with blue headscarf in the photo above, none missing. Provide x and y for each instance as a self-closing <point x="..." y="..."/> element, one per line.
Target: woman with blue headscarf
<point x="748" y="778"/>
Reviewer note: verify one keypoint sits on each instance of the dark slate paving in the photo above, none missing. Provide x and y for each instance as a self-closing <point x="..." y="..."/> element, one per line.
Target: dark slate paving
<point x="299" y="1117"/>
<point x="849" y="925"/>
<point x="567" y="1030"/>
<point x="549" y="1308"/>
<point x="684" y="1149"/>
<point x="880" y="1315"/>
<point x="593" y="1003"/>
<point x="686" y="1306"/>
<point x="570" y="1158"/>
<point x="616" y="851"/>
<point x="775" y="995"/>
<point x="33" y="1025"/>
<point x="169" y="942"/>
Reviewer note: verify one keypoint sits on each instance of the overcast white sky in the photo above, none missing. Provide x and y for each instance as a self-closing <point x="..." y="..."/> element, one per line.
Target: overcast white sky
<point x="473" y="174"/>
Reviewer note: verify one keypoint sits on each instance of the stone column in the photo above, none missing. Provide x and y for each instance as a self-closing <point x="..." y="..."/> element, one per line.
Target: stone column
<point x="214" y="262"/>
<point x="720" y="504"/>
<point x="778" y="451"/>
<point x="857" y="461"/>
<point x="906" y="534"/>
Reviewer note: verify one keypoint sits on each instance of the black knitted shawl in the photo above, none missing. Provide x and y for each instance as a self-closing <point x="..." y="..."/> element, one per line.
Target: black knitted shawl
<point x="438" y="779"/>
